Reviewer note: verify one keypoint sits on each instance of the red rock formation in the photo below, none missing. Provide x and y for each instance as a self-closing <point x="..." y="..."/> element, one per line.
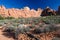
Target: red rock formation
<point x="58" y="11"/>
<point x="18" y="13"/>
<point x="48" y="11"/>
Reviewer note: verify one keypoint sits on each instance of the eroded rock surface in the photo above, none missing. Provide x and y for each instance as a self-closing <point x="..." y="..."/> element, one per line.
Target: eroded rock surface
<point x="18" y="13"/>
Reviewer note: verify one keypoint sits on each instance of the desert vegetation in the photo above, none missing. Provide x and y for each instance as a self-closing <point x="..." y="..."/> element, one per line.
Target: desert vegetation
<point x="37" y="28"/>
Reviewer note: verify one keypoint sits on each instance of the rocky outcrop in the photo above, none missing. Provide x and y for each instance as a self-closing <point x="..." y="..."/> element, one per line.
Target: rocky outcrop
<point x="27" y="12"/>
<point x="58" y="11"/>
<point x="18" y="13"/>
<point x="48" y="12"/>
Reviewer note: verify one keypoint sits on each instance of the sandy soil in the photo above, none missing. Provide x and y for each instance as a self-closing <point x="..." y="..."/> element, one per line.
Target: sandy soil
<point x="2" y="37"/>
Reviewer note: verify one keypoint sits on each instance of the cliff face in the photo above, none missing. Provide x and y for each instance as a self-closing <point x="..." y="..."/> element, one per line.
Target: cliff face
<point x="58" y="11"/>
<point x="48" y="12"/>
<point x="18" y="13"/>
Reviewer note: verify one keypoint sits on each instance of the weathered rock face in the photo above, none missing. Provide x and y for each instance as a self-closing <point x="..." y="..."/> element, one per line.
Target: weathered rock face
<point x="18" y="13"/>
<point x="58" y="11"/>
<point x="48" y="11"/>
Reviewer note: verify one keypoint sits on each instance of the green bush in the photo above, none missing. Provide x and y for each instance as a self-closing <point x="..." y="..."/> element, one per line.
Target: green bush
<point x="9" y="18"/>
<point x="51" y="19"/>
<point x="51" y="28"/>
<point x="1" y="18"/>
<point x="9" y="28"/>
<point x="21" y="28"/>
<point x="37" y="30"/>
<point x="56" y="38"/>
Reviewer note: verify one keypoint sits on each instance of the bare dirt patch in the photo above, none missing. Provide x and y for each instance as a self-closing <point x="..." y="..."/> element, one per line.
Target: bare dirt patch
<point x="2" y="37"/>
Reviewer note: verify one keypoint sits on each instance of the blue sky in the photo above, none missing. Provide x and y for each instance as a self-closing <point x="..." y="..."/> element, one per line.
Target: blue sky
<point x="30" y="3"/>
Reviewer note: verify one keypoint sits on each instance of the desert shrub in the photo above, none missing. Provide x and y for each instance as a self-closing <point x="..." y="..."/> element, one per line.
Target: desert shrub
<point x="51" y="19"/>
<point x="15" y="20"/>
<point x="54" y="27"/>
<point x="1" y="18"/>
<point x="9" y="28"/>
<point x="35" y="21"/>
<point x="21" y="29"/>
<point x="41" y="25"/>
<point x="1" y="24"/>
<point x="46" y="29"/>
<point x="32" y="25"/>
<point x="15" y="24"/>
<point x="21" y="21"/>
<point x="37" y="30"/>
<point x="56" y="38"/>
<point x="27" y="21"/>
<point x="51" y="28"/>
<point x="9" y="18"/>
